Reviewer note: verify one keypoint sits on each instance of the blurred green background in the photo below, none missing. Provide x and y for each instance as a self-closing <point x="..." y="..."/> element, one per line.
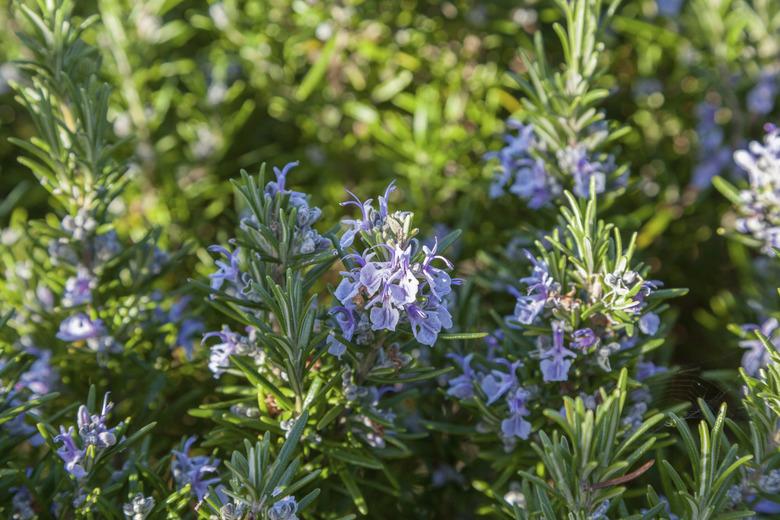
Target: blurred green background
<point x="363" y="92"/>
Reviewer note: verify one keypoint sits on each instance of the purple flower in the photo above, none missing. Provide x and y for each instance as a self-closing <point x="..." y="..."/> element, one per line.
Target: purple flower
<point x="370" y="218"/>
<point x="425" y="324"/>
<point x="497" y="383"/>
<point x="226" y="272"/>
<point x="219" y="359"/>
<point x="21" y="504"/>
<point x="92" y="428"/>
<point x="188" y="329"/>
<point x="335" y="347"/>
<point x="41" y="378"/>
<point x="584" y="338"/>
<point x="462" y="386"/>
<point x="385" y="316"/>
<point x="710" y="165"/>
<point x="92" y="431"/>
<point x="669" y="7"/>
<point x="645" y="369"/>
<point x="346" y="319"/>
<point x="541" y="287"/>
<point x="70" y="454"/>
<point x="759" y="205"/>
<point x="272" y="188"/>
<point x="761" y="98"/>
<point x="78" y="289"/>
<point x="80" y="327"/>
<point x="757" y="356"/>
<point x="556" y="360"/>
<point x="348" y="288"/>
<point x="284" y="509"/>
<point x="515" y="425"/>
<point x="649" y="323"/>
<point x="766" y="507"/>
<point x="193" y="470"/>
<point x="577" y="162"/>
<point x="386" y="286"/>
<point x="438" y="280"/>
<point x="519" y="169"/>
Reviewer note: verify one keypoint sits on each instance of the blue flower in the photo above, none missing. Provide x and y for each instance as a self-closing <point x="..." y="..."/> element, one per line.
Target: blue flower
<point x="757" y="356"/>
<point x="386" y="286"/>
<point x="425" y="324"/>
<point x="346" y="319"/>
<point x="761" y="98"/>
<point x="306" y="239"/>
<point x="188" y="329"/>
<point x="759" y="207"/>
<point x="645" y="369"/>
<point x="138" y="508"/>
<point x="600" y="513"/>
<point x="78" y="289"/>
<point x="272" y="188"/>
<point x="583" y="339"/>
<point x="193" y="470"/>
<point x="577" y="162"/>
<point x="649" y="323"/>
<point x="22" y="504"/>
<point x="335" y="347"/>
<point x="497" y="383"/>
<point x="556" y="361"/>
<point x="515" y="425"/>
<point x="371" y="219"/>
<point x="80" y="327"/>
<point x="385" y="316"/>
<point x="92" y="431"/>
<point x="92" y="428"/>
<point x="232" y="343"/>
<point x="40" y="378"/>
<point x="284" y="509"/>
<point x="70" y="454"/>
<point x="438" y="280"/>
<point x="540" y="287"/>
<point x="713" y="154"/>
<point x="669" y="7"/>
<point x="226" y="272"/>
<point x="521" y="170"/>
<point x="462" y="386"/>
<point x="766" y="507"/>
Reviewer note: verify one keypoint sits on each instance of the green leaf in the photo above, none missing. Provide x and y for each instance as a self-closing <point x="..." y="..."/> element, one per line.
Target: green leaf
<point x="463" y="335"/>
<point x="317" y="72"/>
<point x="353" y="490"/>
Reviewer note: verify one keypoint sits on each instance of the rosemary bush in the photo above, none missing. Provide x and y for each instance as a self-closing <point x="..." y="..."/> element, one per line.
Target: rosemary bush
<point x="440" y="282"/>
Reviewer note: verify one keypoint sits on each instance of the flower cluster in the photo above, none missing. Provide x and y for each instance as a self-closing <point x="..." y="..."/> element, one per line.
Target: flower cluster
<point x="526" y="168"/>
<point x="391" y="281"/>
<point x="497" y="381"/>
<point x="521" y="168"/>
<point x="621" y="296"/>
<point x="280" y="223"/>
<point x="759" y="204"/>
<point x="306" y="239"/>
<point x="92" y="432"/>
